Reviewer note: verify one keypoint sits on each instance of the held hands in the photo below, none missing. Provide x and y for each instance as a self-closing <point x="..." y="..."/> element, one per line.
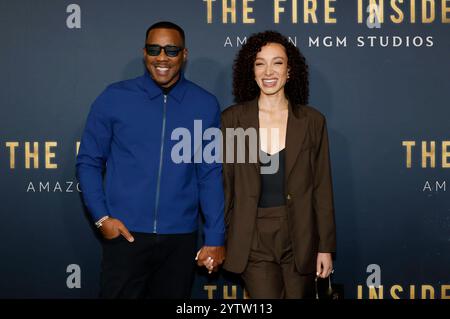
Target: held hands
<point x="324" y="265"/>
<point x="211" y="257"/>
<point x="112" y="228"/>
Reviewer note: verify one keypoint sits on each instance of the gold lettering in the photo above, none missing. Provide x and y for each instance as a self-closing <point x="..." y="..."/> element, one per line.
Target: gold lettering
<point x="49" y="155"/>
<point x="360" y="11"/>
<point x="412" y="292"/>
<point x="444" y="290"/>
<point x="77" y="148"/>
<point x="425" y="289"/>
<point x="398" y="292"/>
<point x="210" y="289"/>
<point x="400" y="9"/>
<point x="233" y="292"/>
<point x="246" y="10"/>
<point x="373" y="292"/>
<point x="432" y="16"/>
<point x="445" y="154"/>
<point x="413" y="11"/>
<point x="377" y="9"/>
<point x="12" y="153"/>
<point x="209" y="10"/>
<point x="228" y="10"/>
<point x="31" y="155"/>
<point x="310" y="11"/>
<point x="294" y="11"/>
<point x="401" y="16"/>
<point x="328" y="11"/>
<point x="445" y="9"/>
<point x="277" y="10"/>
<point x="409" y="145"/>
<point x="394" y="289"/>
<point x="431" y="154"/>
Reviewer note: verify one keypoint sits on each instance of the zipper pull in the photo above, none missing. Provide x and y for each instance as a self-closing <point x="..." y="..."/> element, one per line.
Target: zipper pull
<point x="165" y="98"/>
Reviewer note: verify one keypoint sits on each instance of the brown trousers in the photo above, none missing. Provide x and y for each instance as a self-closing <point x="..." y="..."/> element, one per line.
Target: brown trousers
<point x="271" y="271"/>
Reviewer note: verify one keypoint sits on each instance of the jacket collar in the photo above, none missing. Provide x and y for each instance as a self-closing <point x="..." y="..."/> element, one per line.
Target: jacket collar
<point x="153" y="90"/>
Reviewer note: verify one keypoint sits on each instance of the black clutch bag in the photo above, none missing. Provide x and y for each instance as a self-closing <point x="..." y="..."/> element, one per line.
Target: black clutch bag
<point x="325" y="289"/>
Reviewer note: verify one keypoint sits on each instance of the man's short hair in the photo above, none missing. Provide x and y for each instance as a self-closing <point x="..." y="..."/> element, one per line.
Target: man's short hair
<point x="166" y="25"/>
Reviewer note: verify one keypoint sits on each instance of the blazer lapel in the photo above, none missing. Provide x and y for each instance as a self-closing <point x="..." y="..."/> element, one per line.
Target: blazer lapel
<point x="250" y="119"/>
<point x="295" y="137"/>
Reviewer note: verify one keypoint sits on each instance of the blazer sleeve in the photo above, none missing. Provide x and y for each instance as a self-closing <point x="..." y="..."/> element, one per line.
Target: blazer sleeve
<point x="228" y="169"/>
<point x="323" y="202"/>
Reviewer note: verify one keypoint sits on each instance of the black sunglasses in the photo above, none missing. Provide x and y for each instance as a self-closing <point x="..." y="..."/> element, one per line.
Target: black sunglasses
<point x="155" y="49"/>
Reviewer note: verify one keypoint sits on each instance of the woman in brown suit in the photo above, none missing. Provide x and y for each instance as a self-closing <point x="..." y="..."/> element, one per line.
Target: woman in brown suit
<point x="280" y="222"/>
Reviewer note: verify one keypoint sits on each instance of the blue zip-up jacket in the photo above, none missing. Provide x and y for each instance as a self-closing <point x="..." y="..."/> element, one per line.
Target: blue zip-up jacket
<point x="124" y="162"/>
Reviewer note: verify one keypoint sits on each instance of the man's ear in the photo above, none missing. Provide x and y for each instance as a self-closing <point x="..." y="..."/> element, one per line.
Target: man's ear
<point x="185" y="54"/>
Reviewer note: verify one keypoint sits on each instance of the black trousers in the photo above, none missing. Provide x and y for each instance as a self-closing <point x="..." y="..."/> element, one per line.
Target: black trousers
<point x="153" y="266"/>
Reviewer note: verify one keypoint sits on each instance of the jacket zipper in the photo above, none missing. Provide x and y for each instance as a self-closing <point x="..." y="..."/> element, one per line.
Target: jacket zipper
<point x="158" y="185"/>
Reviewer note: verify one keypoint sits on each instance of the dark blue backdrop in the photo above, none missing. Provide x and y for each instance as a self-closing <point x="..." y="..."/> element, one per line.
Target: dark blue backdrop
<point x="374" y="98"/>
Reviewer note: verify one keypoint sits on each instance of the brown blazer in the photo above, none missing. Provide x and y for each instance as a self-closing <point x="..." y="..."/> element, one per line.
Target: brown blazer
<point x="308" y="187"/>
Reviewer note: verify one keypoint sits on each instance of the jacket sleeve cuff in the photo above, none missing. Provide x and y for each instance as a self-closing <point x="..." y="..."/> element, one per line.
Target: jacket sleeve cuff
<point x="327" y="248"/>
<point x="97" y="211"/>
<point x="214" y="238"/>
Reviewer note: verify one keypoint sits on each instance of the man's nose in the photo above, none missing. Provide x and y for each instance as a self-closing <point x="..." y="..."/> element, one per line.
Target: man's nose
<point x="162" y="56"/>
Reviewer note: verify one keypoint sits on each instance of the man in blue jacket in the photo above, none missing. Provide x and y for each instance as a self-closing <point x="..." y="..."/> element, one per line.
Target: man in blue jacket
<point x="146" y="205"/>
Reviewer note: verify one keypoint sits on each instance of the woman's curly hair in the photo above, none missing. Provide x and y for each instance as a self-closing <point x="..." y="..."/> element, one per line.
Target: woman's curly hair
<point x="245" y="87"/>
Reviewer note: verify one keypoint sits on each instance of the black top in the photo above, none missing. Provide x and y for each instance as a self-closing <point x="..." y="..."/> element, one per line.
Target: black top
<point x="272" y="185"/>
<point x="168" y="89"/>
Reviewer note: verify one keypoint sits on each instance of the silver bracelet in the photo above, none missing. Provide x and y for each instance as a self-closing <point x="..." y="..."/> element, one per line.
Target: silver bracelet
<point x="100" y="221"/>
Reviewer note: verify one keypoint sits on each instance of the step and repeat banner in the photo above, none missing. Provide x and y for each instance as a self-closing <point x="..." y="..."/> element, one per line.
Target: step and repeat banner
<point x="379" y="72"/>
